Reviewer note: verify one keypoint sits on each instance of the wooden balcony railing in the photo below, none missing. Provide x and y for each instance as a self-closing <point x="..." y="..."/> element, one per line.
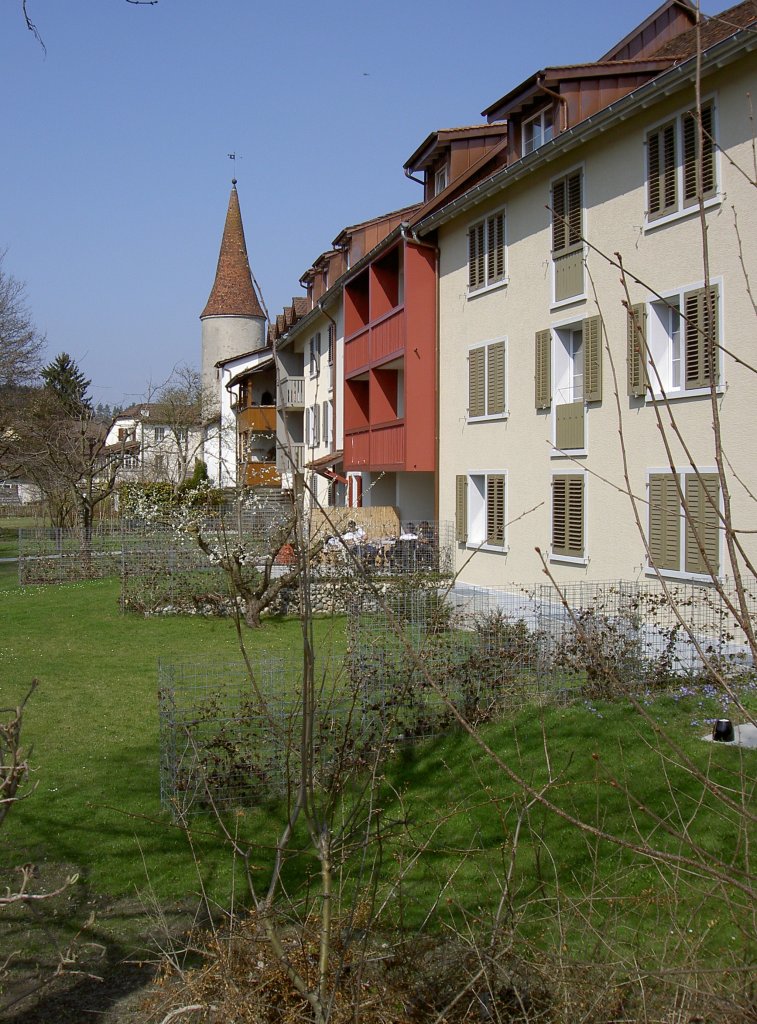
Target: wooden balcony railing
<point x="292" y="393"/>
<point x="291" y="456"/>
<point x="260" y="474"/>
<point x="260" y="418"/>
<point x="378" y="341"/>
<point x="376" y="447"/>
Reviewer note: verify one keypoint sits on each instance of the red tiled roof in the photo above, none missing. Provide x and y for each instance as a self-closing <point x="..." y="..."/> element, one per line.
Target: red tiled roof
<point x="712" y="30"/>
<point x="233" y="293"/>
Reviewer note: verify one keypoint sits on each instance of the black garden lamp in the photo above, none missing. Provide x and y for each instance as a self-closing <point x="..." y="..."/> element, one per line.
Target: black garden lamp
<point x="722" y="730"/>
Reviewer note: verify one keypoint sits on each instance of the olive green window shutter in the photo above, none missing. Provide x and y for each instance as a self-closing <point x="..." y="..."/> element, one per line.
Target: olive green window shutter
<point x="701" y="336"/>
<point x="637" y="333"/>
<point x="461" y="509"/>
<point x="495" y="511"/>
<point x="477" y="382"/>
<point x="495" y="382"/>
<point x="543" y="369"/>
<point x="559" y="211"/>
<point x="568" y="515"/>
<point x="664" y="535"/>
<point x="690" y="152"/>
<point x="662" y="191"/>
<point x="702" y="494"/>
<point x="575" y="209"/>
<point x="496" y="248"/>
<point x="592" y="346"/>
<point x="476" y="256"/>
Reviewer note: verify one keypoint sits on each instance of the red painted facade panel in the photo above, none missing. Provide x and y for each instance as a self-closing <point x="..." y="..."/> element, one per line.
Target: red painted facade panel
<point x="388" y="446"/>
<point x="356" y="352"/>
<point x="357" y="450"/>
<point x="388" y="336"/>
<point x="401" y="426"/>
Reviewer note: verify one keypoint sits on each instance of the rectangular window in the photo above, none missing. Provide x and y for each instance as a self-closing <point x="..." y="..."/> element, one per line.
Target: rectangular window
<point x="486" y="252"/>
<point x="682" y="342"/>
<point x="537" y="130"/>
<point x="567" y="236"/>
<point x="315" y="354"/>
<point x="441" y="180"/>
<point x="158" y="433"/>
<point x="674" y="162"/>
<point x="568" y="516"/>
<point x="576" y="376"/>
<point x="327" y="424"/>
<point x="481" y="521"/>
<point x="486" y="381"/>
<point x="684" y="535"/>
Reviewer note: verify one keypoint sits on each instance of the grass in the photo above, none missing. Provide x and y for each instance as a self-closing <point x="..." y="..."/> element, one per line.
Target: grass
<point x="9" y="533"/>
<point x="93" y="724"/>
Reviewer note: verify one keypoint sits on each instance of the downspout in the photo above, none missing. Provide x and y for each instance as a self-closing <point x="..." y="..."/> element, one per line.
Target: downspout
<point x="409" y="174"/>
<point x="413" y="239"/>
<point x="562" y="100"/>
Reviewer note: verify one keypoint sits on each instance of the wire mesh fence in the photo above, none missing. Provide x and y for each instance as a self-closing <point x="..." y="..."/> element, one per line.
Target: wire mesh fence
<point x="65" y="555"/>
<point x="230" y="732"/>
<point x="417" y="653"/>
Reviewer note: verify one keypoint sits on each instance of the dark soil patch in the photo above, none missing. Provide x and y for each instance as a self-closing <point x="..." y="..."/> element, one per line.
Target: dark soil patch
<point x="80" y="956"/>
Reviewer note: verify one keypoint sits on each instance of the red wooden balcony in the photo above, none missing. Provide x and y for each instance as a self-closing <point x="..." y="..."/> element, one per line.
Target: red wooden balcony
<point x="377" y="447"/>
<point x="383" y="339"/>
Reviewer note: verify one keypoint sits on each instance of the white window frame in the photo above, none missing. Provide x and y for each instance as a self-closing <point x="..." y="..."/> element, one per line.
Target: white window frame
<point x="680" y="574"/>
<point x="540" y="118"/>
<point x="314" y="354"/>
<point x="476" y="511"/>
<point x="501" y="282"/>
<point x="158" y="434"/>
<point x="327" y="417"/>
<point x="485" y="345"/>
<point x="660" y="348"/>
<point x="562" y="386"/>
<point x="571" y="300"/>
<point x="681" y="210"/>
<point x="441" y="179"/>
<point x="570" y="559"/>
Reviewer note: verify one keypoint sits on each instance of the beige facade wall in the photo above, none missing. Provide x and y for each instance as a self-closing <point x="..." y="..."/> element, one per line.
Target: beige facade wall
<point x="667" y="257"/>
<point x="321" y="389"/>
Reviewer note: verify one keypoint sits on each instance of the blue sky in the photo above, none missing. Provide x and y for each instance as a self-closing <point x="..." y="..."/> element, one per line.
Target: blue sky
<point x="115" y="177"/>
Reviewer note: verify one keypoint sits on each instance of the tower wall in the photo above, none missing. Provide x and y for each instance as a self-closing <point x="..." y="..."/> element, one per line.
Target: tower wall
<point x="222" y="338"/>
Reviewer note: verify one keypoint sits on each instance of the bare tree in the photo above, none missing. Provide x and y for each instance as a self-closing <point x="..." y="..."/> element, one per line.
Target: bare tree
<point x="66" y="456"/>
<point x="21" y="344"/>
<point x="176" y="406"/>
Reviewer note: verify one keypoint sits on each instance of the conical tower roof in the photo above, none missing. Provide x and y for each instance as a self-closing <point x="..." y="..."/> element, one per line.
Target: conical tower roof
<point x="233" y="293"/>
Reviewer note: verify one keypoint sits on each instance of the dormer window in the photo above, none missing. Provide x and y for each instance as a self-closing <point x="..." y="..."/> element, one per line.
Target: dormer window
<point x="537" y="130"/>
<point x="441" y="180"/>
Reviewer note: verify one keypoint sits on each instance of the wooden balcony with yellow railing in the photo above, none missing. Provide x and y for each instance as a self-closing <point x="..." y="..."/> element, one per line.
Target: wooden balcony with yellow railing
<point x="258" y="418"/>
<point x="259" y="474"/>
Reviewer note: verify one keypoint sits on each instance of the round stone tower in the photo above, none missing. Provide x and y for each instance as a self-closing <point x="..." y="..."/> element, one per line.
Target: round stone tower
<point x="233" y="321"/>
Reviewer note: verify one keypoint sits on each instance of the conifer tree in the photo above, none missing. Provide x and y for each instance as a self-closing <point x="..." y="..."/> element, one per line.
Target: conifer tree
<point x="66" y="381"/>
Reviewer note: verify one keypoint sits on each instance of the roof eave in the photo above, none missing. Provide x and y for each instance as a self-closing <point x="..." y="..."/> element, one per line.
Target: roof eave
<point x="668" y="82"/>
<point x="335" y="290"/>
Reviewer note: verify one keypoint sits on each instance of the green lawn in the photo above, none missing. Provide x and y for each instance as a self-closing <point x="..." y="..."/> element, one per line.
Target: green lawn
<point x="9" y="533"/>
<point x="93" y="723"/>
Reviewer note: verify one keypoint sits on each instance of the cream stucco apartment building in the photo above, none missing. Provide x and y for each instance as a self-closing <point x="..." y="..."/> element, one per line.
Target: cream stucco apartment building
<point x="559" y="378"/>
